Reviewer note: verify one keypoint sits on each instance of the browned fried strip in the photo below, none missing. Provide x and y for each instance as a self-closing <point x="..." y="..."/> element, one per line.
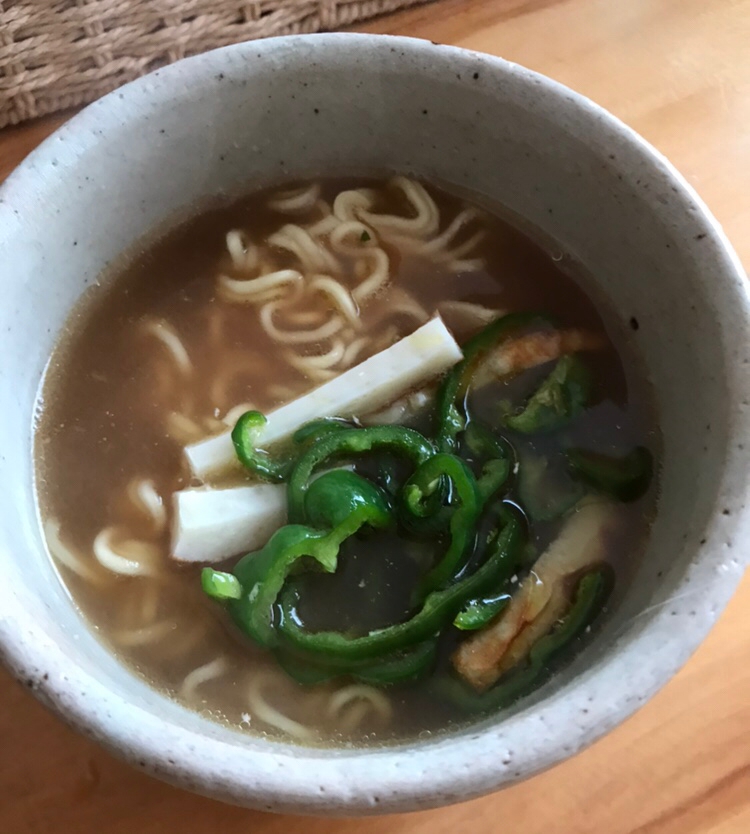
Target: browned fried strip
<point x="541" y="599"/>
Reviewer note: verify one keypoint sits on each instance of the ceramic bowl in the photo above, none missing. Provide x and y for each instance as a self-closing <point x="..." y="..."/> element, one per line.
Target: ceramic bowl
<point x="255" y="113"/>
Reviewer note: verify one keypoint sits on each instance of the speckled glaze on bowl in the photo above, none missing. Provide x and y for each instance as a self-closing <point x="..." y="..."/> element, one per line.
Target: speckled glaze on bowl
<point x="250" y="114"/>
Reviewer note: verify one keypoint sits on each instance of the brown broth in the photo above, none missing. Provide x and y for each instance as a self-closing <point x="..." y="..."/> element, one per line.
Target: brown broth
<point x="109" y="387"/>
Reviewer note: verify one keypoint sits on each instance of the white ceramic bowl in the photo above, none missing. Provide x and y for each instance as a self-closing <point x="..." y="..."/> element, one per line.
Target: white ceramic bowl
<point x="244" y="116"/>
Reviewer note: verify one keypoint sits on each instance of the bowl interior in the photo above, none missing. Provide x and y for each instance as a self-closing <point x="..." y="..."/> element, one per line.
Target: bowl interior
<point x="248" y="116"/>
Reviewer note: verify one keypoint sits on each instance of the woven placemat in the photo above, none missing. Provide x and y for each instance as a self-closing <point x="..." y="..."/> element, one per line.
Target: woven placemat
<point x="55" y="55"/>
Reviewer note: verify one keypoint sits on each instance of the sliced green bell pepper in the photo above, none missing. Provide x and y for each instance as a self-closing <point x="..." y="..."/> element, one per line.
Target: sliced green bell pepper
<point x="494" y="453"/>
<point x="436" y="612"/>
<point x="451" y="396"/>
<point x="334" y="445"/>
<point x="398" y="668"/>
<point x="245" y="436"/>
<point x="589" y="598"/>
<point x="415" y="495"/>
<point x="220" y="585"/>
<point x="312" y="432"/>
<point x="335" y="495"/>
<point x="349" y="502"/>
<point x="561" y="397"/>
<point x="626" y="478"/>
<point x="276" y="468"/>
<point x="478" y="613"/>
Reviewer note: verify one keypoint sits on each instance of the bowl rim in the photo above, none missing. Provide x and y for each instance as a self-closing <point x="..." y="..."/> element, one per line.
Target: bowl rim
<point x="388" y="779"/>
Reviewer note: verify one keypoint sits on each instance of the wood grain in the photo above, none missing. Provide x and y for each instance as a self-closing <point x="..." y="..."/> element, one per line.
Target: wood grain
<point x="678" y="71"/>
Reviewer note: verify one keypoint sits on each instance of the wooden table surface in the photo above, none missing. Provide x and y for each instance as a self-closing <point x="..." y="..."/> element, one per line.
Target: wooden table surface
<point x="678" y="71"/>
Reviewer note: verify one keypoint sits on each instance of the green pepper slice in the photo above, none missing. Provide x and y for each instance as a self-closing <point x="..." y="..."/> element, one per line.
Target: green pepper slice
<point x="436" y="612"/>
<point x="495" y="454"/>
<point x="276" y="469"/>
<point x="450" y="402"/>
<point x="404" y="442"/>
<point x="561" y="397"/>
<point x="590" y="595"/>
<point x="313" y="431"/>
<point x="478" y="613"/>
<point x="404" y="667"/>
<point x="220" y="585"/>
<point x="415" y="495"/>
<point x="335" y="495"/>
<point x="626" y="478"/>
<point x="261" y="575"/>
<point x="245" y="436"/>
<point x="398" y="668"/>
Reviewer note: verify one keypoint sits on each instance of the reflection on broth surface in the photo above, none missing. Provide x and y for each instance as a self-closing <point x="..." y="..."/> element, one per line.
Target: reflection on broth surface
<point x="248" y="307"/>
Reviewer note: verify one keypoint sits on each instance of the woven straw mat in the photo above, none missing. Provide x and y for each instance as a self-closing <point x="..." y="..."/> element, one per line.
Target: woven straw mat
<point x="55" y="55"/>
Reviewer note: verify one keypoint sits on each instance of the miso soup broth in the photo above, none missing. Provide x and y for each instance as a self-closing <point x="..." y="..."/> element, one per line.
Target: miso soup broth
<point x="485" y="513"/>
